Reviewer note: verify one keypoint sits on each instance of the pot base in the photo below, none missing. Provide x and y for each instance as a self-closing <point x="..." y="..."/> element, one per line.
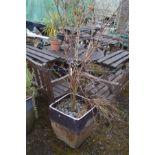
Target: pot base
<point x="71" y="138"/>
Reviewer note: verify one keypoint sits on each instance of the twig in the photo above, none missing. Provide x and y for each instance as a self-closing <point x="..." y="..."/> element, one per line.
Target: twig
<point x="99" y="79"/>
<point x="59" y="79"/>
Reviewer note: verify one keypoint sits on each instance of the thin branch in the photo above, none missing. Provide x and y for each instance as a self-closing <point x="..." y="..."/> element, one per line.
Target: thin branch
<point x="59" y="79"/>
<point x="99" y="79"/>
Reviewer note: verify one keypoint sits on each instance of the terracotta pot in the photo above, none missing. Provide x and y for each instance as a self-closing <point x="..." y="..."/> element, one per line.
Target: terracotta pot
<point x="55" y="45"/>
<point x="73" y="131"/>
<point x="91" y="8"/>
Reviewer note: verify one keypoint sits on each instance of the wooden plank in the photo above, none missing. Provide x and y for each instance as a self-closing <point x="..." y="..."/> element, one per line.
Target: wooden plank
<point x="48" y="85"/>
<point x="62" y="87"/>
<point x="34" y="62"/>
<point x="36" y="76"/>
<point x="82" y="28"/>
<point x="89" y="87"/>
<point x="97" y="88"/>
<point x="60" y="79"/>
<point x="110" y="96"/>
<point x="113" y="38"/>
<point x="97" y="55"/>
<point x="41" y="51"/>
<point x="105" y="40"/>
<point x="37" y="57"/>
<point x="106" y="93"/>
<point x="114" y="42"/>
<point x="115" y="58"/>
<point x="113" y="76"/>
<point x="119" y="72"/>
<point x="102" y="91"/>
<point x="56" y="94"/>
<point x="55" y="88"/>
<point x="116" y="64"/>
<point x="118" y="78"/>
<point x="121" y="81"/>
<point x="93" y="91"/>
<point x="65" y="84"/>
<point x="43" y="55"/>
<point x="42" y="80"/>
<point x="85" y="36"/>
<point x="109" y="56"/>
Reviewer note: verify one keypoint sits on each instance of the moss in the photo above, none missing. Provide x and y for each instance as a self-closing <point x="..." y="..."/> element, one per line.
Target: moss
<point x="96" y="69"/>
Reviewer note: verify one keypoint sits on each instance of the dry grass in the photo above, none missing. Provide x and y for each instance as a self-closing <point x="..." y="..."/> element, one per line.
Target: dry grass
<point x="95" y="69"/>
<point x="106" y="109"/>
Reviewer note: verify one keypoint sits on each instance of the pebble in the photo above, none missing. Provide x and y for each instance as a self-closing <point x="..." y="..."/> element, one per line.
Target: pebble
<point x="101" y="148"/>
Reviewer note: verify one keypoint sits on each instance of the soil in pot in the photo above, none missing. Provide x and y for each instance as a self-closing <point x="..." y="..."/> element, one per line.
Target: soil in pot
<point x="66" y="107"/>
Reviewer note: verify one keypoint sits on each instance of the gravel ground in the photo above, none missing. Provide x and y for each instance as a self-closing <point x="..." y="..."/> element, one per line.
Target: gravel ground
<point x="105" y="140"/>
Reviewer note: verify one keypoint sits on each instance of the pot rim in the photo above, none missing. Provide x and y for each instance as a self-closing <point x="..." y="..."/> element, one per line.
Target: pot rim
<point x="56" y="40"/>
<point x="51" y="106"/>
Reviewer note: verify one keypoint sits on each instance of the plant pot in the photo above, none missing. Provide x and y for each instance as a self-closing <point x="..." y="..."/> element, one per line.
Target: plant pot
<point x="73" y="131"/>
<point x="29" y="115"/>
<point x="55" y="45"/>
<point x="60" y="36"/>
<point x="91" y="8"/>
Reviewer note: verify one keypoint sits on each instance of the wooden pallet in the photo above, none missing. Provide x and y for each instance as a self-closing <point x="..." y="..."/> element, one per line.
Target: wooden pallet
<point x="104" y="90"/>
<point x="39" y="56"/>
<point x="115" y="59"/>
<point x="60" y="89"/>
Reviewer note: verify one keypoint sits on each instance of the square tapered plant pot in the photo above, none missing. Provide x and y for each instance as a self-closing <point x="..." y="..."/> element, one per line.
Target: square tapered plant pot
<point x="73" y="131"/>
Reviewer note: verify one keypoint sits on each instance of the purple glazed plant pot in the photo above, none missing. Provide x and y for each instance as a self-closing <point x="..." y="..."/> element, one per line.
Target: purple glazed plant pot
<point x="73" y="131"/>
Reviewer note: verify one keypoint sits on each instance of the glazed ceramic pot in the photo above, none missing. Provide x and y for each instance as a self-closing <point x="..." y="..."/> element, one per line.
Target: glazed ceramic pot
<point x="73" y="131"/>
